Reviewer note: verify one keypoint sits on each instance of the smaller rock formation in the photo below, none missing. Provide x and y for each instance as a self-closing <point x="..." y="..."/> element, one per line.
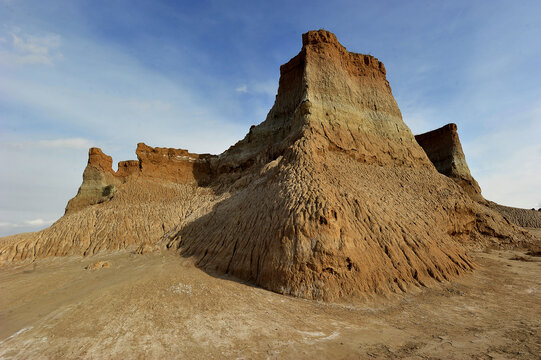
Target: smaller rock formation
<point x="445" y="151"/>
<point x="99" y="181"/>
<point x="443" y="148"/>
<point x="127" y="168"/>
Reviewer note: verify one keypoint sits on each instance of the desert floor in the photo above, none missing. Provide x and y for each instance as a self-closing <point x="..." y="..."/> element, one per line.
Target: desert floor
<point x="162" y="306"/>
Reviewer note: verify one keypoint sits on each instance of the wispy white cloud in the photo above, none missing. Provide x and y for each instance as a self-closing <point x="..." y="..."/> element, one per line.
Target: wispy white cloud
<point x="34" y="223"/>
<point x="112" y="97"/>
<point x="38" y="222"/>
<point x="506" y="160"/>
<point x="260" y="88"/>
<point x="242" y="89"/>
<point x="70" y="143"/>
<point x="149" y="105"/>
<point x="30" y="49"/>
<point x="63" y="143"/>
<point x="265" y="87"/>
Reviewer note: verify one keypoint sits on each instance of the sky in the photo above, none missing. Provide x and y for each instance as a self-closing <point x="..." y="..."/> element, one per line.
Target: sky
<point x="197" y="74"/>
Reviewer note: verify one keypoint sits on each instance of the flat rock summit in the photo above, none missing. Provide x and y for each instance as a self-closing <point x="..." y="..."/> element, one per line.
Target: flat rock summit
<point x="330" y="197"/>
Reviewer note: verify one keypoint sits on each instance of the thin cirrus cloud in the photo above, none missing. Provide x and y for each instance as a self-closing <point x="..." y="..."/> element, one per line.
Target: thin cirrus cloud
<point x="129" y="97"/>
<point x="19" y="48"/>
<point x="28" y="223"/>
<point x="70" y="143"/>
<point x="242" y="89"/>
<point x="262" y="88"/>
<point x="506" y="161"/>
<point x="65" y="143"/>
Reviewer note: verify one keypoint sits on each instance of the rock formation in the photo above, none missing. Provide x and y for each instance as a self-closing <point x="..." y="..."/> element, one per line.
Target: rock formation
<point x="443" y="148"/>
<point x="331" y="196"/>
<point x="445" y="151"/>
<point x="99" y="181"/>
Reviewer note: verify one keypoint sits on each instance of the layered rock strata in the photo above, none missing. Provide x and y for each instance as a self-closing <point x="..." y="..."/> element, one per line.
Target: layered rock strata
<point x="330" y="197"/>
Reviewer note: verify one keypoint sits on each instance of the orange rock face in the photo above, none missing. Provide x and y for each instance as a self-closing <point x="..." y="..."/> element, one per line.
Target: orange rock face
<point x="127" y="168"/>
<point x="330" y="197"/>
<point x="176" y="165"/>
<point x="99" y="160"/>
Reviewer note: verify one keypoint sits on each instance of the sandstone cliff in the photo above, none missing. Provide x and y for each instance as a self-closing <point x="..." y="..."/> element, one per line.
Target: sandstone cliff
<point x="331" y="196"/>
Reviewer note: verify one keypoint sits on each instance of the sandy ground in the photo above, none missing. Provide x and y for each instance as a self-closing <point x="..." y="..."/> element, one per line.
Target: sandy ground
<point x="161" y="306"/>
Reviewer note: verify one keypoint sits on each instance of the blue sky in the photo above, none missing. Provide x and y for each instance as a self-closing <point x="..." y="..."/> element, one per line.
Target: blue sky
<point x="196" y="75"/>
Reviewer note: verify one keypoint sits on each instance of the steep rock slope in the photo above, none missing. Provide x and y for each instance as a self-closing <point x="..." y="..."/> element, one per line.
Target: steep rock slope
<point x="338" y="197"/>
<point x="330" y="196"/>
